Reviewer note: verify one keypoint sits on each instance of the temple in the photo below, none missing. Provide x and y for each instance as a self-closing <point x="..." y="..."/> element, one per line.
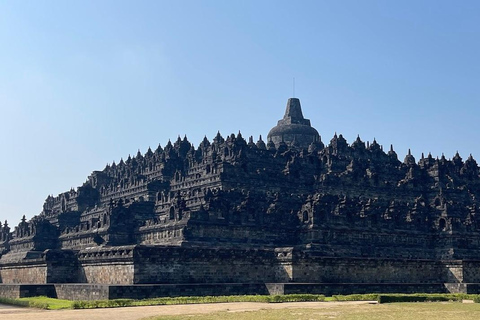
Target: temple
<point x="233" y="216"/>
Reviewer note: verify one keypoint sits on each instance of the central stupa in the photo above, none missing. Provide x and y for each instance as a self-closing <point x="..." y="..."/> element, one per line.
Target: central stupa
<point x="293" y="130"/>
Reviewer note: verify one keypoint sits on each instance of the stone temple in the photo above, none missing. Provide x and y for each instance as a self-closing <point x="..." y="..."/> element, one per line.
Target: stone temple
<point x="233" y="216"/>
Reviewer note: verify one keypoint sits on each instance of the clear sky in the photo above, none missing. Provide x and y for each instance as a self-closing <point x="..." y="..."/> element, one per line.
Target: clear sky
<point x="83" y="83"/>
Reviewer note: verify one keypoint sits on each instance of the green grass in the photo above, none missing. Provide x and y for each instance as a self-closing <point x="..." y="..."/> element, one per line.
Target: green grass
<point x="196" y="300"/>
<point x="353" y="297"/>
<point x="401" y="297"/>
<point x="425" y="297"/>
<point x="54" y="304"/>
<point x="39" y="302"/>
<point x="398" y="311"/>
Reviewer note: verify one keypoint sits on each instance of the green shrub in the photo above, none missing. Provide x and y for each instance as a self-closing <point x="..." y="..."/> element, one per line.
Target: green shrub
<point x="40" y="302"/>
<point x="356" y="297"/>
<point x="49" y="303"/>
<point x="192" y="300"/>
<point x="422" y="297"/>
<point x="14" y="302"/>
<point x="102" y="303"/>
<point x="275" y="299"/>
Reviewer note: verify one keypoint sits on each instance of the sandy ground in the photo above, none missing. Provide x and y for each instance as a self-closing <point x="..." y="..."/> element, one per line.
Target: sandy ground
<point x="133" y="313"/>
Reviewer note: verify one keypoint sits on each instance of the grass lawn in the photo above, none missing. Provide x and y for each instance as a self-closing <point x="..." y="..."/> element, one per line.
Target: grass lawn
<point x="47" y="303"/>
<point x="55" y="304"/>
<point x="400" y="311"/>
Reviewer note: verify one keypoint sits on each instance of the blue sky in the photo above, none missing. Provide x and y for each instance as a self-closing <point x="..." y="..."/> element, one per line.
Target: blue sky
<point x="83" y="83"/>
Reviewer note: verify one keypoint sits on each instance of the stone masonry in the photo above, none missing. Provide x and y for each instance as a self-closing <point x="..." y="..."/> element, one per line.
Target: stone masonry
<point x="290" y="214"/>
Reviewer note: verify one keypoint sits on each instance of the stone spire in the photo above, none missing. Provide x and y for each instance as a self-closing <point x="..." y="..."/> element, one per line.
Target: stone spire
<point x="293" y="128"/>
<point x="293" y="114"/>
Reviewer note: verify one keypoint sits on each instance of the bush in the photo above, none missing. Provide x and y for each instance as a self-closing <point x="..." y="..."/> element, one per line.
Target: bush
<point x="421" y="297"/>
<point x="303" y="297"/>
<point x="34" y="302"/>
<point x="356" y="297"/>
<point x="102" y="304"/>
<point x="14" y="302"/>
<point x="191" y="300"/>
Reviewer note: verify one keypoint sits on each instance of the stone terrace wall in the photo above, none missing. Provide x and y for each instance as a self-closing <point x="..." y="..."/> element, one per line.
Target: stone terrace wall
<point x="178" y="290"/>
<point x="82" y="291"/>
<point x="26" y="273"/>
<point x="109" y="273"/>
<point x="200" y="265"/>
<point x="358" y="288"/>
<point x="15" y="291"/>
<point x="62" y="266"/>
<point x="37" y="267"/>
<point x="112" y="265"/>
<point x="368" y="270"/>
<point x="471" y="271"/>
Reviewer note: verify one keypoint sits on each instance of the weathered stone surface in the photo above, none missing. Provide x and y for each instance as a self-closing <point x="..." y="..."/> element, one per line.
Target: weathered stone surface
<point x="294" y="130"/>
<point x="292" y="210"/>
<point x="15" y="291"/>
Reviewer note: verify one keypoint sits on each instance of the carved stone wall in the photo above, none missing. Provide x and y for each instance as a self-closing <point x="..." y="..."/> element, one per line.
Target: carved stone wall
<point x="203" y="265"/>
<point x="30" y="273"/>
<point x="344" y="270"/>
<point x="291" y="209"/>
<point x="107" y="265"/>
<point x="109" y="273"/>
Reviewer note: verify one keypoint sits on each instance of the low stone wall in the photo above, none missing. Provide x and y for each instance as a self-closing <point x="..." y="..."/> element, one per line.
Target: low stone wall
<point x="10" y="291"/>
<point x="15" y="291"/>
<point x="103" y="291"/>
<point x="471" y="271"/>
<point x="329" y="289"/>
<point x="179" y="290"/>
<point x="82" y="291"/>
<point x="471" y="288"/>
<point x="146" y="271"/>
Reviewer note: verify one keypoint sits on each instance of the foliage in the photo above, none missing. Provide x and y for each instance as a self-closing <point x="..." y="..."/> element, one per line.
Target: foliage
<point x="102" y="303"/>
<point x="40" y="302"/>
<point x="51" y="304"/>
<point x="356" y="297"/>
<point x="195" y="300"/>
<point x="14" y="302"/>
<point x="423" y="297"/>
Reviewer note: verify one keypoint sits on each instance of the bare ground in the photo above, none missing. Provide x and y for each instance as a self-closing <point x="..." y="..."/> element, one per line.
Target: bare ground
<point x="134" y="313"/>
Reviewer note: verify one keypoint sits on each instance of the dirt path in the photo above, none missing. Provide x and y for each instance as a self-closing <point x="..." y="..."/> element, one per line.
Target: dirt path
<point x="134" y="313"/>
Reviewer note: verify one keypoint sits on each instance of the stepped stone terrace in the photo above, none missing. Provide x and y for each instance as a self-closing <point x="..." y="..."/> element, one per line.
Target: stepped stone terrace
<point x="238" y="216"/>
